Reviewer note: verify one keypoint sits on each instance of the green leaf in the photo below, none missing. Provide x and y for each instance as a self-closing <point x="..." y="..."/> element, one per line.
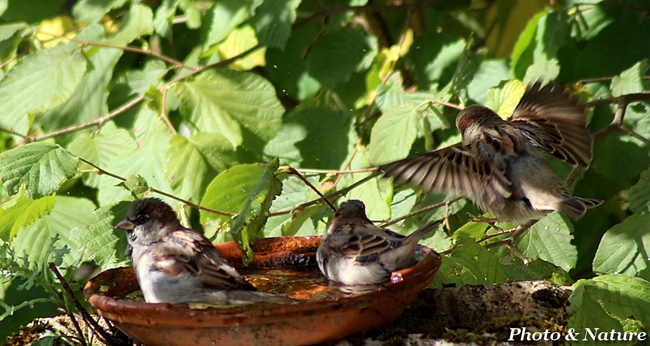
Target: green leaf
<point x="247" y="225"/>
<point x="393" y="134"/>
<point x="35" y="240"/>
<point x="88" y="101"/>
<point x="221" y="19"/>
<point x="537" y="270"/>
<point x="99" y="241"/>
<point x="108" y="145"/>
<point x="147" y="161"/>
<point x="42" y="167"/>
<point x="625" y="247"/>
<point x="164" y="16"/>
<point x="91" y="11"/>
<point x="318" y="126"/>
<point x="137" y="22"/>
<point x="272" y="21"/>
<point x="630" y="81"/>
<point x="522" y="53"/>
<point x="39" y="82"/>
<point x="247" y="190"/>
<point x="640" y="194"/>
<point x="587" y="312"/>
<point x="22" y="213"/>
<point x="376" y="193"/>
<point x="550" y="239"/>
<point x="191" y="162"/>
<point x="469" y="264"/>
<point x="336" y="55"/>
<point x="232" y="104"/>
<point x="621" y="296"/>
<point x="137" y="185"/>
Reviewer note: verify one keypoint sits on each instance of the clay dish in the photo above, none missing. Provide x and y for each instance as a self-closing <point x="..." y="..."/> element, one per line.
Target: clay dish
<point x="285" y="265"/>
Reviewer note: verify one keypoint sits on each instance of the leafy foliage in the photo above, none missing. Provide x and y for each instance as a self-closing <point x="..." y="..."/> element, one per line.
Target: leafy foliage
<point x="206" y="103"/>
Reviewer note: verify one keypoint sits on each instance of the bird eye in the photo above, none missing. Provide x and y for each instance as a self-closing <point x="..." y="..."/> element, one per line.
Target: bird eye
<point x="141" y="219"/>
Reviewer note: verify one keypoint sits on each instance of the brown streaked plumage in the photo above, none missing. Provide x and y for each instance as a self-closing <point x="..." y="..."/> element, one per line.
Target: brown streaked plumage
<point x="356" y="252"/>
<point x="174" y="264"/>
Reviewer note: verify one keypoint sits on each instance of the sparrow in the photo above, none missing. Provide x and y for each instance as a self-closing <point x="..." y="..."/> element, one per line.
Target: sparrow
<point x="356" y="252"/>
<point x="174" y="264"/>
<point x="499" y="164"/>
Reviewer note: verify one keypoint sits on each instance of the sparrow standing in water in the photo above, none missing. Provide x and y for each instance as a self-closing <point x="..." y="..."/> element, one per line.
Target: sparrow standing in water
<point x="356" y="252"/>
<point x="498" y="164"/>
<point x="175" y="264"/>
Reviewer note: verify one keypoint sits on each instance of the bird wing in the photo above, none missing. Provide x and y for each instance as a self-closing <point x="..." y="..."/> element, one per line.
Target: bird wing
<point x="367" y="247"/>
<point x="453" y="169"/>
<point x="191" y="252"/>
<point x="555" y="124"/>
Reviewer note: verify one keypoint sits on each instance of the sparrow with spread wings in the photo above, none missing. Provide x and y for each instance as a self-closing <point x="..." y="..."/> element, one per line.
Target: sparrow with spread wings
<point x="499" y="164"/>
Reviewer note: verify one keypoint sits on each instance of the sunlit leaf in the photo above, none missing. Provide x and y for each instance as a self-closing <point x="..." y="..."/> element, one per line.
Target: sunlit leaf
<point x="42" y="167"/>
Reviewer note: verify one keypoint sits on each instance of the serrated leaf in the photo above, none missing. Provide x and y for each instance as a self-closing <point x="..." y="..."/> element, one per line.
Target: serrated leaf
<point x="470" y="264"/>
<point x="231" y="103"/>
<point x="537" y="270"/>
<point x="317" y="133"/>
<point x="630" y="81"/>
<point x="621" y="296"/>
<point x="640" y="194"/>
<point x="190" y="162"/>
<point x="99" y="241"/>
<point x="247" y="190"/>
<point x="88" y="101"/>
<point x="393" y="134"/>
<point x="35" y="240"/>
<point x="163" y="18"/>
<point x="273" y="21"/>
<point x="90" y="11"/>
<point x="240" y="40"/>
<point x="625" y="247"/>
<point x="152" y="135"/>
<point x="247" y="226"/>
<point x="504" y="100"/>
<point x="137" y="22"/>
<point x="39" y="82"/>
<point x="336" y="55"/>
<point x="102" y="148"/>
<point x="42" y="167"/>
<point x="137" y="185"/>
<point x="22" y="213"/>
<point x="376" y="193"/>
<point x="586" y="312"/>
<point x="550" y="239"/>
<point x="221" y="19"/>
<point x="294" y="192"/>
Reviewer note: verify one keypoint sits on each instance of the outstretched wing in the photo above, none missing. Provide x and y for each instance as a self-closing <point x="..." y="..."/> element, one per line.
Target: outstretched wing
<point x="453" y="169"/>
<point x="555" y="124"/>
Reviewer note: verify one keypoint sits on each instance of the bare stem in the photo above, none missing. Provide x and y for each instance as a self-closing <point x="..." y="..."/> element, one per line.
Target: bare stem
<point x="193" y="205"/>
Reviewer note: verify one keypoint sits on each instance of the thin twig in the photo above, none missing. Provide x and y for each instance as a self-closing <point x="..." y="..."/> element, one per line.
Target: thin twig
<point x="335" y="171"/>
<point x="163" y="113"/>
<point x="174" y="62"/>
<point x="406" y="216"/>
<point x="193" y="205"/>
<point x="97" y="122"/>
<point x="220" y="64"/>
<point x="80" y="308"/>
<point x="293" y="171"/>
<point x="446" y="104"/>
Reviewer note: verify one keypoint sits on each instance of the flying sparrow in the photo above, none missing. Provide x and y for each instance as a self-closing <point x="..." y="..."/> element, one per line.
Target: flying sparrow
<point x="356" y="252"/>
<point x="174" y="264"/>
<point x="499" y="166"/>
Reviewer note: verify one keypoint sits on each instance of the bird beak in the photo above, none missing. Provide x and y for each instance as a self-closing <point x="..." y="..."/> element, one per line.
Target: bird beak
<point x="125" y="225"/>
